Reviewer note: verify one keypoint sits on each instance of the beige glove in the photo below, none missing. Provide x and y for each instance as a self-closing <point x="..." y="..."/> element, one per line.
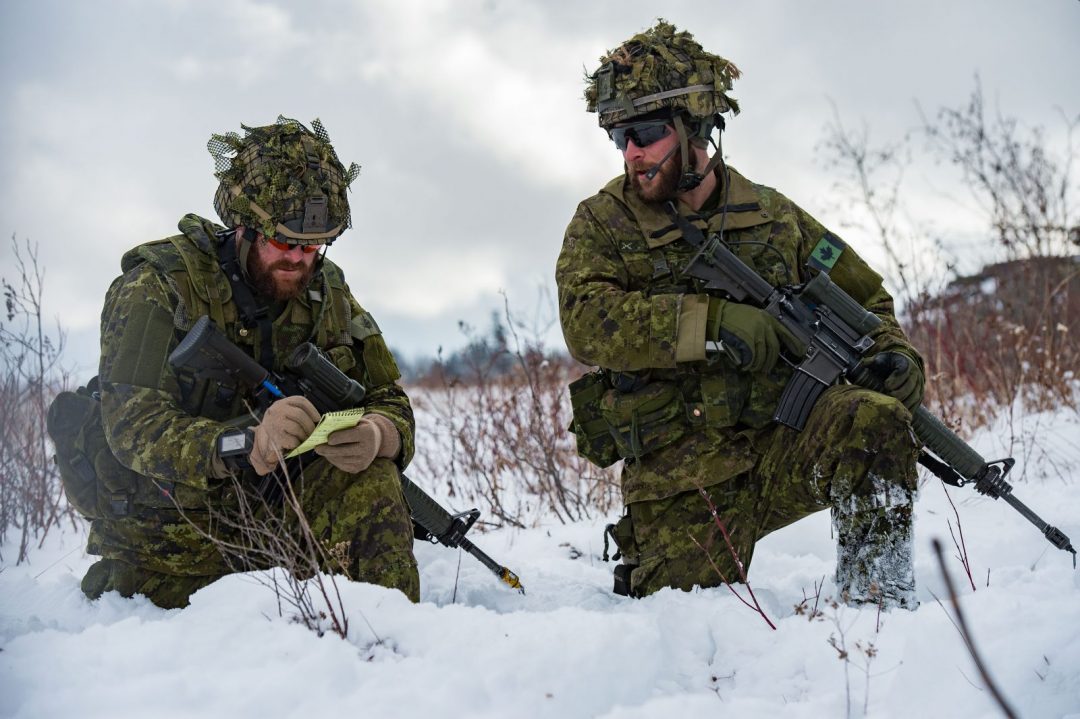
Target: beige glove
<point x="354" y="449"/>
<point x="286" y="424"/>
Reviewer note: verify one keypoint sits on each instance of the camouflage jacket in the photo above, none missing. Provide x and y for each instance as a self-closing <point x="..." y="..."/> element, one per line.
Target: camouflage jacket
<point x="164" y="424"/>
<point x="624" y="307"/>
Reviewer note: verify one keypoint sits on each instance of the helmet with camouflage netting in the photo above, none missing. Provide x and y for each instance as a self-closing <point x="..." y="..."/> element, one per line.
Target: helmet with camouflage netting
<point x="283" y="180"/>
<point x="657" y="70"/>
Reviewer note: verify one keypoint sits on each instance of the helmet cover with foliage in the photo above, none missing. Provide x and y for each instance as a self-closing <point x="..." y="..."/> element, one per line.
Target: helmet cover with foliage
<point x="660" y="69"/>
<point x="284" y="181"/>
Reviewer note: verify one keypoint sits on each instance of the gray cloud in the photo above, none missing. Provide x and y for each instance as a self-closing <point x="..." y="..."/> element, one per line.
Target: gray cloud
<point x="466" y="116"/>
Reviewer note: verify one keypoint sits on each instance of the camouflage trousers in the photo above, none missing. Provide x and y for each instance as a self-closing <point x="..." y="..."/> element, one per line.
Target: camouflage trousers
<point x="360" y="520"/>
<point x="856" y="456"/>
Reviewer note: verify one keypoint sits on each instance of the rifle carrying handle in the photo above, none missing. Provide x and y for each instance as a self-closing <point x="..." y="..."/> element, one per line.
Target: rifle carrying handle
<point x="334" y="387"/>
<point x="824" y="292"/>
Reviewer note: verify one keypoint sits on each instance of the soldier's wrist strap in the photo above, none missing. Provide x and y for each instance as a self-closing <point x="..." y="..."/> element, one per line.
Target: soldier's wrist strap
<point x="234" y="447"/>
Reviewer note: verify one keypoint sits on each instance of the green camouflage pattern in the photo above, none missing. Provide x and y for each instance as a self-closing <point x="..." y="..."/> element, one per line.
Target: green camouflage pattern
<point x="856" y="457"/>
<point x="278" y="168"/>
<point x="164" y="424"/>
<point x="361" y="519"/>
<point x="624" y="308"/>
<point x="659" y="60"/>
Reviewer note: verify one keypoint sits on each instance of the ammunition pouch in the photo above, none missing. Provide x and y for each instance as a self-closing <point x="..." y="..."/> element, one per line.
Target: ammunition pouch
<point x="594" y="440"/>
<point x="629" y="415"/>
<point x="646" y="419"/>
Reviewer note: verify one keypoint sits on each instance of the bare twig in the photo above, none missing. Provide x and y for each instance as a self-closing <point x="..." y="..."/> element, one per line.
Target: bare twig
<point x="965" y="633"/>
<point x="756" y="606"/>
<point x="31" y="500"/>
<point x="814" y="613"/>
<point x="259" y="535"/>
<point x="1008" y="337"/>
<point x="960" y="545"/>
<point x="844" y="654"/>
<point x="500" y="410"/>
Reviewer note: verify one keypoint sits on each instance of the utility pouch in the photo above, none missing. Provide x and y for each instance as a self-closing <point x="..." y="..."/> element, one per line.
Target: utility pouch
<point x="645" y="420"/>
<point x="723" y="397"/>
<point x="95" y="482"/>
<point x="594" y="440"/>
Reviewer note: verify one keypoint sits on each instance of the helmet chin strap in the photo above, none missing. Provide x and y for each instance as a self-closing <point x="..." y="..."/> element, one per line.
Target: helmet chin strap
<point x="247" y="239"/>
<point x="690" y="178"/>
<point x="718" y="156"/>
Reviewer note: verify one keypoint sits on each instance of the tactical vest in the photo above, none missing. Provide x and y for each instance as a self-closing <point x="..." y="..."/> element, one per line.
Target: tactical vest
<point x="94" y="481"/>
<point x="190" y="264"/>
<point x="630" y="415"/>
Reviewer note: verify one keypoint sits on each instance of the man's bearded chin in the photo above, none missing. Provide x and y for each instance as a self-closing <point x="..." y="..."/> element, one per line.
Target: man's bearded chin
<point x="665" y="184"/>
<point x="277" y="288"/>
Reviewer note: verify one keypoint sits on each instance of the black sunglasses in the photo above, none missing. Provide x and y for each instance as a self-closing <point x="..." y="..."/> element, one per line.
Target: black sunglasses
<point x="642" y="133"/>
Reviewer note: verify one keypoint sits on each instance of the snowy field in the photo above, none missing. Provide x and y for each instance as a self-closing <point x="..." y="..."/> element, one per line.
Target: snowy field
<point x="569" y="648"/>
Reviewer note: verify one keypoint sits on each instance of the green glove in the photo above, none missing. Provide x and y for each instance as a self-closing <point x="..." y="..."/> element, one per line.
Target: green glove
<point x="750" y="337"/>
<point x="901" y="375"/>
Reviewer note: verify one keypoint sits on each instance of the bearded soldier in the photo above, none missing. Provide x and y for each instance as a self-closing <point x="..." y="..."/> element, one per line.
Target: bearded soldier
<point x="689" y="380"/>
<point x="264" y="280"/>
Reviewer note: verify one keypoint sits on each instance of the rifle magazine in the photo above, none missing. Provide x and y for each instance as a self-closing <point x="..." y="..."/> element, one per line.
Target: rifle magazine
<point x="799" y="397"/>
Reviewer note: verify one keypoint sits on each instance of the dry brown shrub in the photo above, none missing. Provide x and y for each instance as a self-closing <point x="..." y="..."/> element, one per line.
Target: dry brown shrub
<point x="31" y="499"/>
<point x="497" y="438"/>
<point x="1010" y="334"/>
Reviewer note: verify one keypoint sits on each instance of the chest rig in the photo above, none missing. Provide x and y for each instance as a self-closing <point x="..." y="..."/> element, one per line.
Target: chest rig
<point x="655" y="257"/>
<point x="199" y="265"/>
<point x="649" y="409"/>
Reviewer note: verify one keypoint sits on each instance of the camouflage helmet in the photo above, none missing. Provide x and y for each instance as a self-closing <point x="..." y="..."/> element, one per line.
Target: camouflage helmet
<point x="656" y="70"/>
<point x="283" y="180"/>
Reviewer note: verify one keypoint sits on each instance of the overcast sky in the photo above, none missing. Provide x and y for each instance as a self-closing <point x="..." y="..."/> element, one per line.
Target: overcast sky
<point x="466" y="117"/>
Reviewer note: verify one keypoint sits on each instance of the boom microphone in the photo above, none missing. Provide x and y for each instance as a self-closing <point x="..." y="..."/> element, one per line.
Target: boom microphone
<point x="656" y="168"/>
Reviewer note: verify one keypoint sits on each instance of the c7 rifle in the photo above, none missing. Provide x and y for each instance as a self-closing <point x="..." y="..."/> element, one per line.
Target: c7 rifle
<point x="835" y="330"/>
<point x="209" y="353"/>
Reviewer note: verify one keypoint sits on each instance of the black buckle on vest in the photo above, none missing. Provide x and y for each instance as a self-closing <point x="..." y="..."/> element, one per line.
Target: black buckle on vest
<point x="661" y="268"/>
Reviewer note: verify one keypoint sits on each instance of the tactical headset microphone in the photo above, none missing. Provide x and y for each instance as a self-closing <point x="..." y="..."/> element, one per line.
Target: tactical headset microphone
<point x="651" y="173"/>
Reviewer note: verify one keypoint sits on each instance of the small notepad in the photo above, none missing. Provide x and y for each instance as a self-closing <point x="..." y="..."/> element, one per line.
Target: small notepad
<point x="331" y="422"/>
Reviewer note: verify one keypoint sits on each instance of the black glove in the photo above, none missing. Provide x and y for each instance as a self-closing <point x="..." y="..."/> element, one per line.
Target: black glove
<point x="901" y="375"/>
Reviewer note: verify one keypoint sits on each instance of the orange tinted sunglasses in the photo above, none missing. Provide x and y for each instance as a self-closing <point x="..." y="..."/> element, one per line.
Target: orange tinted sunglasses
<point x="285" y="246"/>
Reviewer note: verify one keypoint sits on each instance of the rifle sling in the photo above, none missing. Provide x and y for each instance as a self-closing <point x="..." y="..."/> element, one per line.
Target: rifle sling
<point x="941" y="470"/>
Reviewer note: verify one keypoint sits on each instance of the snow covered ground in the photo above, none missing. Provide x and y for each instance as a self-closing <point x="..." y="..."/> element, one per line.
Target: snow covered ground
<point x="569" y="648"/>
